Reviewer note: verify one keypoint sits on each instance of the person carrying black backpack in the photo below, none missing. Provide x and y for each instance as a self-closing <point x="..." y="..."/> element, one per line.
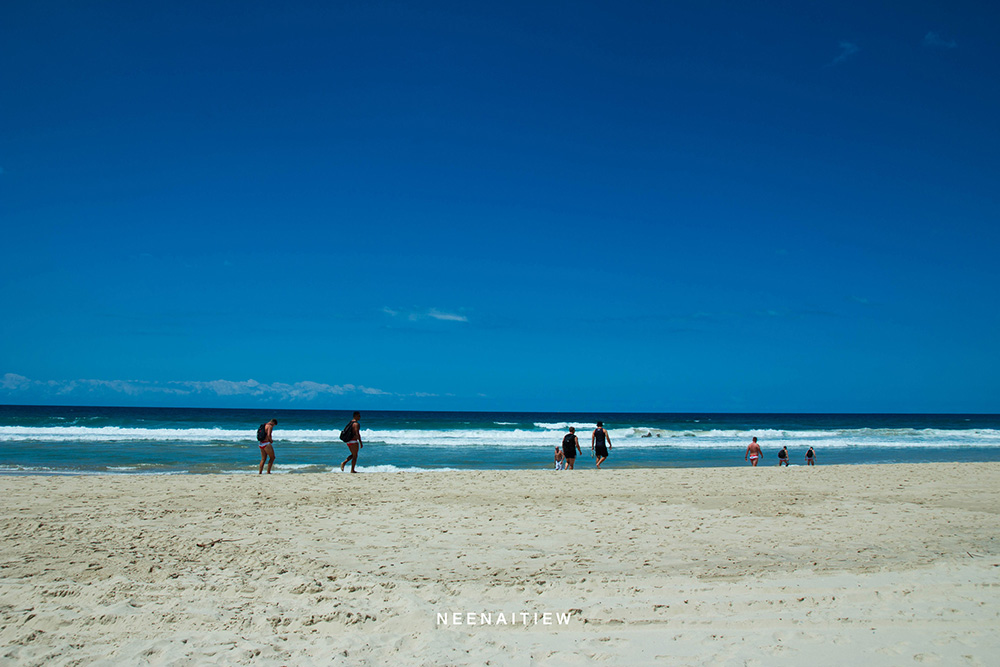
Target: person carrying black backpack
<point x="264" y="433"/>
<point x="351" y="435"/>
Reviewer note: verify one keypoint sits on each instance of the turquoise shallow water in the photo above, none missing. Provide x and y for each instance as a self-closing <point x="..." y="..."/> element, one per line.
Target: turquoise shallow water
<point x="82" y="440"/>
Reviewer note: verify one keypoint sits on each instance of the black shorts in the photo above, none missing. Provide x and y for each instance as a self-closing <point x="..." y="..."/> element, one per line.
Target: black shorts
<point x="601" y="451"/>
<point x="570" y="453"/>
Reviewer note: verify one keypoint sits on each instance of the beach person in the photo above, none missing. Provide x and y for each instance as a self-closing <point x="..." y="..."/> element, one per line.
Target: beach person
<point x="600" y="442"/>
<point x="753" y="452"/>
<point x="352" y="437"/>
<point x="560" y="459"/>
<point x="783" y="456"/>
<point x="810" y="457"/>
<point x="266" y="443"/>
<point x="570" y="447"/>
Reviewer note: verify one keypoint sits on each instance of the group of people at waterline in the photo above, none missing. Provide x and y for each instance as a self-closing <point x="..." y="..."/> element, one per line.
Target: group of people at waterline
<point x="754" y="454"/>
<point x="351" y="436"/>
<point x="565" y="455"/>
<point x="600" y="443"/>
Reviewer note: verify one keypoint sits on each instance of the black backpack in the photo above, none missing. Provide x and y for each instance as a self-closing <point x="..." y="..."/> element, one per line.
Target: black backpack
<point x="347" y="435"/>
<point x="262" y="433"/>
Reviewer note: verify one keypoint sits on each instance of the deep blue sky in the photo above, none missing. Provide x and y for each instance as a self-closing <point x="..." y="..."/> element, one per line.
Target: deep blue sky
<point x="715" y="206"/>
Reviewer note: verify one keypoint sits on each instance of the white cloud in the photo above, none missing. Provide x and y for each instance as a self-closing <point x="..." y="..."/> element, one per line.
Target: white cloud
<point x="421" y="314"/>
<point x="934" y="40"/>
<point x="14" y="382"/>
<point x="447" y="317"/>
<point x="306" y="390"/>
<point x="847" y="49"/>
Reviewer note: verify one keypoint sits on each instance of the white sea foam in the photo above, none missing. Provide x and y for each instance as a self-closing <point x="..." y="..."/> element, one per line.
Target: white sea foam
<point x="545" y="435"/>
<point x="392" y="468"/>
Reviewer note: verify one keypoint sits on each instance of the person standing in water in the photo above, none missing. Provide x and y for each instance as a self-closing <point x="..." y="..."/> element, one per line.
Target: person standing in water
<point x="810" y="457"/>
<point x="600" y="442"/>
<point x="570" y="447"/>
<point x="783" y="456"/>
<point x="753" y="452"/>
<point x="266" y="444"/>
<point x="351" y="435"/>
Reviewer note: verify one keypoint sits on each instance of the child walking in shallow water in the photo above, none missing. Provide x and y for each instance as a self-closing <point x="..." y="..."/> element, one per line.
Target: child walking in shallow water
<point x="560" y="461"/>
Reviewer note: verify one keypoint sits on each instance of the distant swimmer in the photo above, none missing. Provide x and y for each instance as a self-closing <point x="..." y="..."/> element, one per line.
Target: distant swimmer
<point x="648" y="434"/>
<point x="560" y="459"/>
<point x="753" y="452"/>
<point x="783" y="456"/>
<point x="351" y="435"/>
<point x="810" y="457"/>
<point x="264" y="433"/>
<point x="597" y="443"/>
<point x="570" y="447"/>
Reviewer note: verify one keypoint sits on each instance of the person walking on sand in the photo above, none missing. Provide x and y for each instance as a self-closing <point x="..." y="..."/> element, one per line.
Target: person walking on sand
<point x="597" y="443"/>
<point x="570" y="447"/>
<point x="783" y="457"/>
<point x="266" y="444"/>
<point x="810" y="457"/>
<point x="753" y="452"/>
<point x="351" y="435"/>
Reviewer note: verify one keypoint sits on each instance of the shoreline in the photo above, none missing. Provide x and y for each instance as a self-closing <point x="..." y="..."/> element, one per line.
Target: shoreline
<point x="690" y="565"/>
<point x="384" y="469"/>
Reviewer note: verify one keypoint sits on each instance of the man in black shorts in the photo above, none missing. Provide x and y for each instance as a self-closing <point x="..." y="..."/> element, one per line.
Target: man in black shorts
<point x="571" y="445"/>
<point x="597" y="443"/>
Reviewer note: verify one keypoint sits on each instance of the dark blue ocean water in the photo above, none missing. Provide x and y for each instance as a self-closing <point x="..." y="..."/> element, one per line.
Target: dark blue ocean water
<point x="46" y="440"/>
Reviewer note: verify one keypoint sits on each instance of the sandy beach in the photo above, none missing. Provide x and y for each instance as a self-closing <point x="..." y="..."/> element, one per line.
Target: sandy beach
<point x="889" y="564"/>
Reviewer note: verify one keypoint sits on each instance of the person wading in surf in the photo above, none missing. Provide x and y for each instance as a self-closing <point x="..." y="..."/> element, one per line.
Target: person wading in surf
<point x="597" y="443"/>
<point x="753" y="452"/>
<point x="266" y="446"/>
<point x="352" y="437"/>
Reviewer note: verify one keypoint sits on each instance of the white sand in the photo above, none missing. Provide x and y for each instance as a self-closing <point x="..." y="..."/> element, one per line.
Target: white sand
<point x="882" y="565"/>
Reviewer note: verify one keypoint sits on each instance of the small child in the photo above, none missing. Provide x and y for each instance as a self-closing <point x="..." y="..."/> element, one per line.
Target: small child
<point x="560" y="459"/>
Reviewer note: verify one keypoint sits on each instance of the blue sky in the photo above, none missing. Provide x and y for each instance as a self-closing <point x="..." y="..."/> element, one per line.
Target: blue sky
<point x="704" y="206"/>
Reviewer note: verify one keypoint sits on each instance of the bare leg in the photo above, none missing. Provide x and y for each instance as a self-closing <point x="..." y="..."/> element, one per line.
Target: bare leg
<point x="266" y="452"/>
<point x="353" y="458"/>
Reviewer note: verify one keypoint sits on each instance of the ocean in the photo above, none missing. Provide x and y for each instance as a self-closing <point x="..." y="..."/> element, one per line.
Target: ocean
<point x="104" y="440"/>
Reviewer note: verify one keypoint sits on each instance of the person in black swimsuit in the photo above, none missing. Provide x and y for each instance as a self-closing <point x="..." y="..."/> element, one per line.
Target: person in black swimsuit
<point x="571" y="445"/>
<point x="597" y="443"/>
